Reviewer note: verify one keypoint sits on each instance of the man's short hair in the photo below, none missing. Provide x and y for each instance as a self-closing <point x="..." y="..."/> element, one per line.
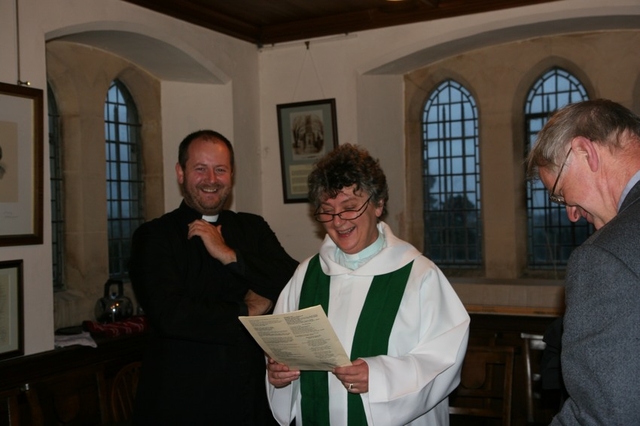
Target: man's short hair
<point x="207" y="135"/>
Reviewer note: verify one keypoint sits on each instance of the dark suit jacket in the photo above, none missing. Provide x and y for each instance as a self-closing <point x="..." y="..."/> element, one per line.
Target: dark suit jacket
<point x="601" y="339"/>
<point x="201" y="366"/>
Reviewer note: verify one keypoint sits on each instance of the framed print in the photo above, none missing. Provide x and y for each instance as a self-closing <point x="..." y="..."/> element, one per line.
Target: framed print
<point x="11" y="309"/>
<point x="21" y="139"/>
<point x="307" y="131"/>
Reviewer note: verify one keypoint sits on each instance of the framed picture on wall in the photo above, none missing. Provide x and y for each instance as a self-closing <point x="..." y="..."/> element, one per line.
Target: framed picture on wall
<point x="11" y="309"/>
<point x="307" y="131"/>
<point x="21" y="139"/>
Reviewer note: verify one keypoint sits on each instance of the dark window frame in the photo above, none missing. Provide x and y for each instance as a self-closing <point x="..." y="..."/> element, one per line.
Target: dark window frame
<point x="124" y="176"/>
<point x="57" y="192"/>
<point x="453" y="236"/>
<point x="551" y="236"/>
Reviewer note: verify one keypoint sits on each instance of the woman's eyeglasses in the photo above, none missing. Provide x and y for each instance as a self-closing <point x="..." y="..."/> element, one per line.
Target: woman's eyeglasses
<point x="344" y="215"/>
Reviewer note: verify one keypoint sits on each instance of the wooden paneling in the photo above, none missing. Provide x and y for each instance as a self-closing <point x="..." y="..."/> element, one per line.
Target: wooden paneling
<point x="506" y="330"/>
<point x="70" y="385"/>
<point x="67" y="386"/>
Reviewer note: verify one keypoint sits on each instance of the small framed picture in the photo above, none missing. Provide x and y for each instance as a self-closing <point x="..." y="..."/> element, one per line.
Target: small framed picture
<point x="21" y="139"/>
<point x="307" y="131"/>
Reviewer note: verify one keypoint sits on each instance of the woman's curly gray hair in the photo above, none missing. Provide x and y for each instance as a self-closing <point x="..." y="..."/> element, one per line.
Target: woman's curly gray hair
<point x="343" y="167"/>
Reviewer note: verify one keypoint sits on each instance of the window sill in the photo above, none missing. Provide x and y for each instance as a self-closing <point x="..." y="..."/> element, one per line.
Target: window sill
<point x="512" y="297"/>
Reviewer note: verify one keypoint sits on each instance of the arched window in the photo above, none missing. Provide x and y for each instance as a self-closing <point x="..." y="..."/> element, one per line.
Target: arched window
<point x="124" y="176"/>
<point x="57" y="196"/>
<point x="551" y="236"/>
<point x="451" y="178"/>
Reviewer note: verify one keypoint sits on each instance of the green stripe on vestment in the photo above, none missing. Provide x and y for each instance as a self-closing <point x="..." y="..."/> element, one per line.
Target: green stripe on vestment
<point x="371" y="336"/>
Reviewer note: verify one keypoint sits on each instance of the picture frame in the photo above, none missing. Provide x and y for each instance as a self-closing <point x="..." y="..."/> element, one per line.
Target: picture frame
<point x="307" y="131"/>
<point x="11" y="309"/>
<point x="21" y="144"/>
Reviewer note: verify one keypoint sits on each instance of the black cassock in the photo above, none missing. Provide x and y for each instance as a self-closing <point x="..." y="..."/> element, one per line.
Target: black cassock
<point x="201" y="366"/>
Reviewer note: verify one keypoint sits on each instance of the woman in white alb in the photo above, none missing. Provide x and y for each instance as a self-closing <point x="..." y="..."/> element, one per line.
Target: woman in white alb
<point x="392" y="309"/>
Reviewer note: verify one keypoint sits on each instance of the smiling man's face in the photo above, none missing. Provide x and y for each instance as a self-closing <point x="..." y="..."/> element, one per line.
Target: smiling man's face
<point x="206" y="179"/>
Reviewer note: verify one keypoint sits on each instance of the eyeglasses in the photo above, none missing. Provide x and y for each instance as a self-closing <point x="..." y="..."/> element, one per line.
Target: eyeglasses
<point x="344" y="215"/>
<point x="553" y="197"/>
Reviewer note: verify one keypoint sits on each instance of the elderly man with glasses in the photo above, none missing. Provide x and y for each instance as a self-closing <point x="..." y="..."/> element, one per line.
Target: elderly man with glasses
<point x="588" y="154"/>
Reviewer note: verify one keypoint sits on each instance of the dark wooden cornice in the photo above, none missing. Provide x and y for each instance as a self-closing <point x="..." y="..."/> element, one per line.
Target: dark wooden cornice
<point x="265" y="22"/>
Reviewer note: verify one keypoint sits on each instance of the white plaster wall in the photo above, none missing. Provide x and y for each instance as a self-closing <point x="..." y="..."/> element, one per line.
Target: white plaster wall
<point x="208" y="107"/>
<point x="7" y="42"/>
<point x="38" y="297"/>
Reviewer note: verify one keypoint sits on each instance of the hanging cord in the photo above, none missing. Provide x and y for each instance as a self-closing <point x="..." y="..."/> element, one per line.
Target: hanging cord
<point x="20" y="82"/>
<point x="307" y="52"/>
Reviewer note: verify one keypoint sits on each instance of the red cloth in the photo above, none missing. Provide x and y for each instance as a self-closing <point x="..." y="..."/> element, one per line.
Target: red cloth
<point x="135" y="324"/>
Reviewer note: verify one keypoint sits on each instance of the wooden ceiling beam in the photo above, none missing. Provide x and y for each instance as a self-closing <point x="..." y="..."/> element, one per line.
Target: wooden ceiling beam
<point x="196" y="14"/>
<point x="389" y="14"/>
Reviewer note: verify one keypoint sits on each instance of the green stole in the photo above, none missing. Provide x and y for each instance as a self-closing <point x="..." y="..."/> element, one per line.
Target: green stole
<point x="371" y="337"/>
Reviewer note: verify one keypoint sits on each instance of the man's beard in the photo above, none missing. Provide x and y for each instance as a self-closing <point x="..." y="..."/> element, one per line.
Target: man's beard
<point x="197" y="203"/>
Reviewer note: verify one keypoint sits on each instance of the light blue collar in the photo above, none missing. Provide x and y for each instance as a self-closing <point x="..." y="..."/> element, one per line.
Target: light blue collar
<point x="354" y="261"/>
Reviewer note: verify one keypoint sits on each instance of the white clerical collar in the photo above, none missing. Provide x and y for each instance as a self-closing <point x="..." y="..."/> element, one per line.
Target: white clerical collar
<point x="354" y="261"/>
<point x="209" y="218"/>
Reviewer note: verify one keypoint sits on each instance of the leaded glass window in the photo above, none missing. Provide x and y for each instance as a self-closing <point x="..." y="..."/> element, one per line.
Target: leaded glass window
<point x="57" y="195"/>
<point x="451" y="178"/>
<point x="124" y="176"/>
<point x="551" y="236"/>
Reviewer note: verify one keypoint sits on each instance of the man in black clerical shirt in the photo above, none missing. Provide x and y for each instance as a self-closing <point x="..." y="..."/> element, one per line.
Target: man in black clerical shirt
<point x="193" y="279"/>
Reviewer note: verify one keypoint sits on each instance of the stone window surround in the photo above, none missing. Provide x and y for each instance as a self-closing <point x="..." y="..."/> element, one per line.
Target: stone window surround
<point x="80" y="77"/>
<point x="499" y="77"/>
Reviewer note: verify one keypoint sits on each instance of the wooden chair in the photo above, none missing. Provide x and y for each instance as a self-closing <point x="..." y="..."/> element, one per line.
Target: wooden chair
<point x="123" y="391"/>
<point x="530" y="343"/>
<point x="485" y="385"/>
<point x="542" y="404"/>
<point x="78" y="398"/>
<point x="9" y="409"/>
